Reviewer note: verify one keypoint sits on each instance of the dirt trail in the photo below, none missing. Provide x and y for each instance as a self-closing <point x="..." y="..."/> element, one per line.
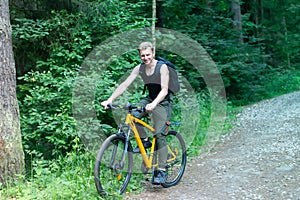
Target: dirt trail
<point x="259" y="159"/>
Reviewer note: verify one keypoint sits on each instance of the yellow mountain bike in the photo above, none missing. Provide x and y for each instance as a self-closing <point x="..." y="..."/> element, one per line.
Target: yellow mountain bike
<point x="114" y="162"/>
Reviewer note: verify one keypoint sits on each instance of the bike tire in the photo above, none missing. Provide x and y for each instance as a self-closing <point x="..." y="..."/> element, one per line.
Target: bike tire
<point x="111" y="178"/>
<point x="175" y="169"/>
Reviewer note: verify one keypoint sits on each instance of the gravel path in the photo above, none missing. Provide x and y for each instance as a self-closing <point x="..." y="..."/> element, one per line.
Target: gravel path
<point x="259" y="159"/>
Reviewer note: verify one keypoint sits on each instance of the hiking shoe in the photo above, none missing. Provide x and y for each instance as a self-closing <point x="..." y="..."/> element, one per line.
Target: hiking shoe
<point x="147" y="144"/>
<point x="159" y="177"/>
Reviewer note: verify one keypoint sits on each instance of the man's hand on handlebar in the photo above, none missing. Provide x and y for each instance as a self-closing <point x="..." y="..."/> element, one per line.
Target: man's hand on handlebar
<point x="150" y="106"/>
<point x="106" y="104"/>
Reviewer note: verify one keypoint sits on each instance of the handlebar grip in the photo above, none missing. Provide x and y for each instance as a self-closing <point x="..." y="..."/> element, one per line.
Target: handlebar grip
<point x="127" y="107"/>
<point x="112" y="106"/>
<point x="141" y="109"/>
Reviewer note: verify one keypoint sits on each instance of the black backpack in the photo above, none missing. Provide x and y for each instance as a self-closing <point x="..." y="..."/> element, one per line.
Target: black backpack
<point x="174" y="85"/>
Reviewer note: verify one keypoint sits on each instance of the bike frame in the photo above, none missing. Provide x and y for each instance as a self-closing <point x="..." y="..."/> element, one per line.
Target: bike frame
<point x="131" y="121"/>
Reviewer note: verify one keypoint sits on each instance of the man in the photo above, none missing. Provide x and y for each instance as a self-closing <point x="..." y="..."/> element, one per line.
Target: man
<point x="157" y="104"/>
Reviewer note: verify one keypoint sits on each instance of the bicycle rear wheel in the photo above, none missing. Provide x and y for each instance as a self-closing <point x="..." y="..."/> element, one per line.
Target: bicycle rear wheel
<point x="176" y="158"/>
<point x="113" y="167"/>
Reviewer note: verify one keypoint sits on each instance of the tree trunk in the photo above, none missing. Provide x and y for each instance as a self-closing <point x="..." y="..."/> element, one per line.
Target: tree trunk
<point x="255" y="4"/>
<point x="208" y="3"/>
<point x="286" y="43"/>
<point x="11" y="151"/>
<point x="153" y="21"/>
<point x="237" y="18"/>
<point x="160" y="14"/>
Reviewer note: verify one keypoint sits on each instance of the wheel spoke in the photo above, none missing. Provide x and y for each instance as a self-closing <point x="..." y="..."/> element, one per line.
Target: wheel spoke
<point x="176" y="158"/>
<point x="113" y="167"/>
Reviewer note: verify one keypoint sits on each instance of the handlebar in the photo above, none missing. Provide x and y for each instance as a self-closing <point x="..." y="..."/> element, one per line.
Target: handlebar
<point x="128" y="107"/>
<point x="131" y="108"/>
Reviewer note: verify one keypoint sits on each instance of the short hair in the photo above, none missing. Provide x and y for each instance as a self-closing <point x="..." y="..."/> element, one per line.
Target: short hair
<point x="145" y="45"/>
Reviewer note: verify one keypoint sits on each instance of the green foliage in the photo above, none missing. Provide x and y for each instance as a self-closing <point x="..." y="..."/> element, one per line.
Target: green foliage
<point x="199" y="131"/>
<point x="34" y="40"/>
<point x="109" y="17"/>
<point x="61" y="43"/>
<point x="280" y="29"/>
<point x="45" y="95"/>
<point x="277" y="83"/>
<point x="69" y="177"/>
<point x="270" y="42"/>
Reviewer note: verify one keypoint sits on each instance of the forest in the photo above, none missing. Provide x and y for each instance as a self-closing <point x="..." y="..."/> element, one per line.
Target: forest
<point x="254" y="45"/>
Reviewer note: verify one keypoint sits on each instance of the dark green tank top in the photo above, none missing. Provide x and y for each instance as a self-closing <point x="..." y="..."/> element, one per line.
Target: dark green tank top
<point x="152" y="82"/>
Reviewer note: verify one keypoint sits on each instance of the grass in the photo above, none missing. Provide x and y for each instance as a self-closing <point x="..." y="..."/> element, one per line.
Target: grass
<point x="271" y="85"/>
<point x="282" y="83"/>
<point x="70" y="177"/>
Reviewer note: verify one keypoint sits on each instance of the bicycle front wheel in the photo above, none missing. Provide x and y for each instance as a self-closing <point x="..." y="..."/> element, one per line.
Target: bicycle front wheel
<point x="113" y="167"/>
<point x="176" y="158"/>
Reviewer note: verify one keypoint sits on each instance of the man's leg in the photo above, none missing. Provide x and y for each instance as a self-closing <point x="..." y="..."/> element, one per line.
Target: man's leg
<point x="161" y="114"/>
<point x="141" y="130"/>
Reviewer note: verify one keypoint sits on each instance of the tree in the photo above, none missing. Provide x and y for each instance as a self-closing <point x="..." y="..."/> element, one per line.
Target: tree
<point x="153" y="21"/>
<point x="237" y="18"/>
<point x="11" y="150"/>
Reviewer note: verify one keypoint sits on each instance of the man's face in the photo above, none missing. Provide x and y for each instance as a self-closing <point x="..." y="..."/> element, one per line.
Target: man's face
<point x="147" y="55"/>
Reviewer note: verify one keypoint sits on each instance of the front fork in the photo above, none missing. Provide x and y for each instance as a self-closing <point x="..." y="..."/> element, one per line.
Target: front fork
<point x="121" y="133"/>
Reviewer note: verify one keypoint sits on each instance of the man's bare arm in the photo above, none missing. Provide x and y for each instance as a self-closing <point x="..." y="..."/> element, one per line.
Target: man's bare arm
<point x="122" y="87"/>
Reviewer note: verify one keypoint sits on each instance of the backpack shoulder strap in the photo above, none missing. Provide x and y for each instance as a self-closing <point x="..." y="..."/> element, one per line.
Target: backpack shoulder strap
<point x="142" y="67"/>
<point x="158" y="66"/>
<point x="142" y="71"/>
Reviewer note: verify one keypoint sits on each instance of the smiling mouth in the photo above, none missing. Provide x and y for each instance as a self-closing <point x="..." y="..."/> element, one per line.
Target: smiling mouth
<point x="148" y="61"/>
